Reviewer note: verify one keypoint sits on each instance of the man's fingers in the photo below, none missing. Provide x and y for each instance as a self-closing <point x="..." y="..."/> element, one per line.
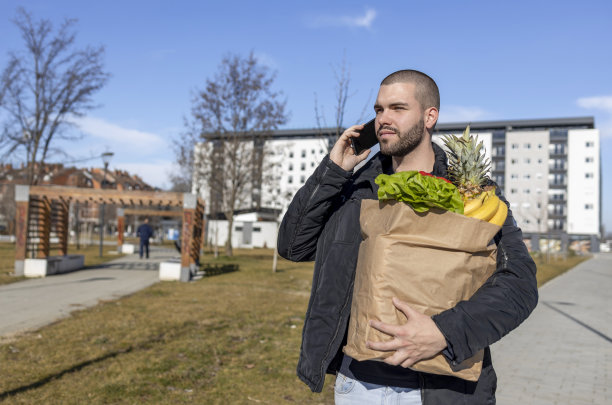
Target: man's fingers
<point x="405" y="308"/>
<point x="392" y="330"/>
<point x="400" y="358"/>
<point x="408" y="363"/>
<point x="352" y="131"/>
<point x="384" y="346"/>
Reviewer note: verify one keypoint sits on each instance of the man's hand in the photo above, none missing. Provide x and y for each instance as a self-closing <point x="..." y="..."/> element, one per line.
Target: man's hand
<point x="419" y="338"/>
<point x="342" y="154"/>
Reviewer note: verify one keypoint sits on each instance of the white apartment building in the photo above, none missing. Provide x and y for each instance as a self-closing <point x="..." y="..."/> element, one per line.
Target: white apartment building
<point x="549" y="170"/>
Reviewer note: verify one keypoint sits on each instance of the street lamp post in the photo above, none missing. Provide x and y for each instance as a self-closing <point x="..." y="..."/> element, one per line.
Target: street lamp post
<point x="106" y="157"/>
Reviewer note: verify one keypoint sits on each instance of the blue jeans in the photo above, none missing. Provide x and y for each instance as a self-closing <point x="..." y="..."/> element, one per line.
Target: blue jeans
<point x="354" y="392"/>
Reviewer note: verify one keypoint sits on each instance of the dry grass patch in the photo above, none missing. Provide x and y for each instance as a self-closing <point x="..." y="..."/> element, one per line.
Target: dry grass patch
<point x="232" y="338"/>
<point x="556" y="265"/>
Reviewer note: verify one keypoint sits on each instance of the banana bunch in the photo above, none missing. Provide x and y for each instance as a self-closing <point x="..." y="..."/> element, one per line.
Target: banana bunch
<point x="487" y="207"/>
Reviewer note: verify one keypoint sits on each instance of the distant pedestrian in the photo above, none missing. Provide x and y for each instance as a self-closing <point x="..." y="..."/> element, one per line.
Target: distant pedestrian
<point x="145" y="232"/>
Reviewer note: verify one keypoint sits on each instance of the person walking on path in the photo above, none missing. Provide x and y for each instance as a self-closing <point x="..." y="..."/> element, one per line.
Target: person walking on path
<point x="145" y="232"/>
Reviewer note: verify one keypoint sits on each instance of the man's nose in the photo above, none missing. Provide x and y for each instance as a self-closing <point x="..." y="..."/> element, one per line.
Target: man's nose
<point x="382" y="119"/>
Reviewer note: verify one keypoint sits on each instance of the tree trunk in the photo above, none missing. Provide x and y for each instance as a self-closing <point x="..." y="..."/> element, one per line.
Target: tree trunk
<point x="229" y="252"/>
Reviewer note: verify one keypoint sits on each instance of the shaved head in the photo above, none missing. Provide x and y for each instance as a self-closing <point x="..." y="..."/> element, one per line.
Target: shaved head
<point x="426" y="90"/>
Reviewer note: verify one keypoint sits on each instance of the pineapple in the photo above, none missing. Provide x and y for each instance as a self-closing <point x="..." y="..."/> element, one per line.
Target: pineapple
<point x="467" y="169"/>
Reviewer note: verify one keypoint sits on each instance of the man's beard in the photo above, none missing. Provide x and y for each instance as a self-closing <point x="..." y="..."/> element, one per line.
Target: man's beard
<point x="407" y="141"/>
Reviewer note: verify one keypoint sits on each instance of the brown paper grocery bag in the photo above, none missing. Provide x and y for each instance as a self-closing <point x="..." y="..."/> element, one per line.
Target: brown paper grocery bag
<point x="430" y="260"/>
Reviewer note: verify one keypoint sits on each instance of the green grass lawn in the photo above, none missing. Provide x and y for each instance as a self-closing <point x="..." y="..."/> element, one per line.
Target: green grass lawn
<point x="233" y="338"/>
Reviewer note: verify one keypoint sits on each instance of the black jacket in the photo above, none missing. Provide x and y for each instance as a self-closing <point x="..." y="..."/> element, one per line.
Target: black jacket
<point x="322" y="224"/>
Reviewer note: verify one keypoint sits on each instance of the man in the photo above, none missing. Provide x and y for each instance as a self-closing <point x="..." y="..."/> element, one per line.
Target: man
<point x="145" y="232"/>
<point x="322" y="223"/>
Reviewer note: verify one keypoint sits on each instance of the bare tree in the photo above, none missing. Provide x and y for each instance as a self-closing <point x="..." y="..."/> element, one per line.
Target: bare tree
<point x="43" y="86"/>
<point x="342" y="76"/>
<point x="7" y="206"/>
<point x="235" y="113"/>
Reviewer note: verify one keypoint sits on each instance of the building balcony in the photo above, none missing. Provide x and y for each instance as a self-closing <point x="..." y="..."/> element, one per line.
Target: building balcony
<point x="557" y="201"/>
<point x="557" y="186"/>
<point x="557" y="170"/>
<point x="556" y="216"/>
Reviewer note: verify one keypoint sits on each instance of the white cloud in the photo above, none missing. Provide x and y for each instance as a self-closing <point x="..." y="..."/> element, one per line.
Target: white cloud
<point x="603" y="104"/>
<point x="154" y="173"/>
<point x="120" y="138"/>
<point x="456" y="113"/>
<point x="362" y="21"/>
<point x="596" y="103"/>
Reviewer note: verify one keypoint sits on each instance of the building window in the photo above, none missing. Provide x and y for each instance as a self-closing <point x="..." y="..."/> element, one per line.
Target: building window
<point x="589" y="159"/>
<point x="588" y="175"/>
<point x="588" y="206"/>
<point x="540" y="146"/>
<point x="527" y="176"/>
<point x="290" y="166"/>
<point x="304" y="153"/>
<point x="312" y="151"/>
<point x="302" y="179"/>
<point x="515" y="146"/>
<point x="512" y="191"/>
<point x="513" y="161"/>
<point x="589" y="144"/>
<point x="290" y="154"/>
<point x="514" y="176"/>
<point x="290" y="180"/>
<point x="527" y="160"/>
<point x="527" y="146"/>
<point x="311" y="164"/>
<point x="526" y="191"/>
<point x="303" y="166"/>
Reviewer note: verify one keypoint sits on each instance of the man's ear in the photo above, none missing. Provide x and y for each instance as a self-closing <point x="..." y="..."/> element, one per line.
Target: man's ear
<point x="431" y="117"/>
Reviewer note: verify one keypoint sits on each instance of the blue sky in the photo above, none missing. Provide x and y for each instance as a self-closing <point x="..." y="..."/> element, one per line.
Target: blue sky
<point x="491" y="60"/>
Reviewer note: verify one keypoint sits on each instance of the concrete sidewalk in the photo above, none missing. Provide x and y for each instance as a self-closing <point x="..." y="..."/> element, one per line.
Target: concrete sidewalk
<point x="34" y="303"/>
<point x="562" y="354"/>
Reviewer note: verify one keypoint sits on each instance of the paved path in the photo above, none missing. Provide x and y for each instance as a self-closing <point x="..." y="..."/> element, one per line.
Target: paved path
<point x="562" y="354"/>
<point x="33" y="303"/>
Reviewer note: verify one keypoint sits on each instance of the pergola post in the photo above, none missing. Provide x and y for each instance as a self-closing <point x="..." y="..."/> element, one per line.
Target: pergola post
<point x="22" y="200"/>
<point x="189" y="211"/>
<point x="60" y="216"/>
<point x="120" y="228"/>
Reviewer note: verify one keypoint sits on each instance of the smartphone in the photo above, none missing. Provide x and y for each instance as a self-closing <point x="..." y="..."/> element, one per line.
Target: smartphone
<point x="367" y="138"/>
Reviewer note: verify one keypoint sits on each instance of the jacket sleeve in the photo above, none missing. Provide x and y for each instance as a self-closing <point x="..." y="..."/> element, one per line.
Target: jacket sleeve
<point x="309" y="210"/>
<point x="504" y="301"/>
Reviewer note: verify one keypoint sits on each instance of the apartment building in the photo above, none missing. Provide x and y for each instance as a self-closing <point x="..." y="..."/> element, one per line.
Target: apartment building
<point x="549" y="170"/>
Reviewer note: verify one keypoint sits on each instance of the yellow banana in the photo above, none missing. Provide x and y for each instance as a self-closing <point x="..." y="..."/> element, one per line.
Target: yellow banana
<point x="488" y="208"/>
<point x="500" y="216"/>
<point x="473" y="204"/>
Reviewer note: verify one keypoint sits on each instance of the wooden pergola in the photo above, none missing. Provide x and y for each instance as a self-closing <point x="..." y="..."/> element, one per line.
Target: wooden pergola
<point x="41" y="210"/>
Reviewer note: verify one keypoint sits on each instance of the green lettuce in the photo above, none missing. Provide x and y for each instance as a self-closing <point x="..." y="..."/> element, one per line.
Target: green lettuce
<point x="421" y="190"/>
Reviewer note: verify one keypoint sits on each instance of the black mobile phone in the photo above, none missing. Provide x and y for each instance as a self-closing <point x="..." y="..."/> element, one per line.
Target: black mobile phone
<point x="367" y="138"/>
